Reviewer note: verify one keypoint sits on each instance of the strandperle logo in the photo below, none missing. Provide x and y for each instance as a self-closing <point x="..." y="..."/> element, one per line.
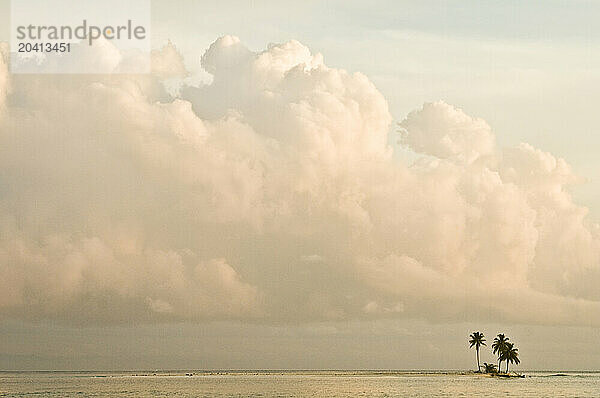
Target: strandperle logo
<point x="85" y="31"/>
<point x="80" y="36"/>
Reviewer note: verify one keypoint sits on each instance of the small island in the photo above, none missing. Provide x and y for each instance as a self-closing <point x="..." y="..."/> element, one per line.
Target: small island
<point x="502" y="348"/>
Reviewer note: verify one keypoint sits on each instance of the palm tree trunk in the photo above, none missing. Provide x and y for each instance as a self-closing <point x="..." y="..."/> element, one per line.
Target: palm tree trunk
<point x="478" y="366"/>
<point x="507" y="366"/>
<point x="499" y="362"/>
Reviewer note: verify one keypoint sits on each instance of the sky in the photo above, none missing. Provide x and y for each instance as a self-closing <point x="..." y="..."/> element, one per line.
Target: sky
<point x="309" y="185"/>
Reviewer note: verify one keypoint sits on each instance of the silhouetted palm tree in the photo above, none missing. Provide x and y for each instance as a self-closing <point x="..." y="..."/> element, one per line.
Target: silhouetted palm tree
<point x="498" y="346"/>
<point x="477" y="340"/>
<point x="510" y="355"/>
<point x="489" y="368"/>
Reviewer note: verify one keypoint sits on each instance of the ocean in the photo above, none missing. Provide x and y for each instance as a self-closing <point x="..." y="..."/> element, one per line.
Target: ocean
<point x="295" y="384"/>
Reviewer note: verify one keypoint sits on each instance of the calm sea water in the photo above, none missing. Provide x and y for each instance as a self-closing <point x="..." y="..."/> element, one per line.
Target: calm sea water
<point x="295" y="384"/>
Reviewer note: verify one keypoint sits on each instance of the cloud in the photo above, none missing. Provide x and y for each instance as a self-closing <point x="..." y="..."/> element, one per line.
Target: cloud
<point x="90" y="280"/>
<point x="443" y="131"/>
<point x="270" y="194"/>
<point x="167" y="62"/>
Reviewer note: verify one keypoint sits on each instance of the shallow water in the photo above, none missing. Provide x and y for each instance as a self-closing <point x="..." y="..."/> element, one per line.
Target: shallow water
<point x="295" y="384"/>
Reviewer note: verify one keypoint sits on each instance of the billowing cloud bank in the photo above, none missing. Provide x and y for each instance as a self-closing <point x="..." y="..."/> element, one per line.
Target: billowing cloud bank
<point x="271" y="194"/>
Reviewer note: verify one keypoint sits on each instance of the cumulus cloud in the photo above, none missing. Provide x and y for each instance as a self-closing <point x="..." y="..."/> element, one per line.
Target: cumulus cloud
<point x="271" y="194"/>
<point x="89" y="279"/>
<point x="167" y="62"/>
<point x="443" y="131"/>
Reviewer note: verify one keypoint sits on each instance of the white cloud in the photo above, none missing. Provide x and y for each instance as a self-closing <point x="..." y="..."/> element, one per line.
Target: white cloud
<point x="446" y="132"/>
<point x="167" y="62"/>
<point x="119" y="202"/>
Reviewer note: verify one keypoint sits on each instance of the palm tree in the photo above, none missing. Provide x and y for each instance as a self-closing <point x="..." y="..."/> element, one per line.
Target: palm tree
<point x="489" y="368"/>
<point x="510" y="355"/>
<point x="477" y="340"/>
<point x="498" y="346"/>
